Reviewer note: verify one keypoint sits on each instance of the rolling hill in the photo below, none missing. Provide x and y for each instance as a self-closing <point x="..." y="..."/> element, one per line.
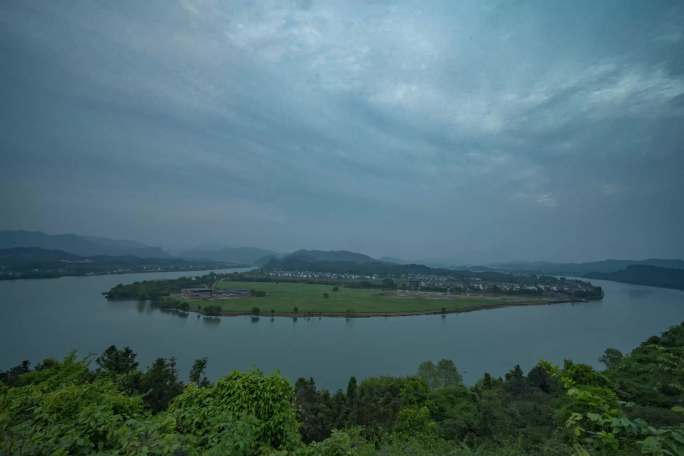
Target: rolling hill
<point x="36" y="262"/>
<point x="603" y="266"/>
<point x="79" y="245"/>
<point x="343" y="261"/>
<point x="640" y="274"/>
<point x="241" y="255"/>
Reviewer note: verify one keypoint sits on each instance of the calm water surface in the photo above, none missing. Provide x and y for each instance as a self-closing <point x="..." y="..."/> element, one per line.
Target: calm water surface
<point x="50" y="317"/>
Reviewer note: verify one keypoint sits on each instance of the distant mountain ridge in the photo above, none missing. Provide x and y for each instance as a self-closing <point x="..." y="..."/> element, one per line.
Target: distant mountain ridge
<point x="79" y="245"/>
<point x="642" y="274"/>
<point x="602" y="266"/>
<point x="29" y="255"/>
<point x="242" y="255"/>
<point x="36" y="262"/>
<point x="344" y="261"/>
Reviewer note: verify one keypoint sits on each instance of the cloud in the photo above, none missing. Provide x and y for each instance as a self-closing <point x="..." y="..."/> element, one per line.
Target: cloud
<point x="278" y="118"/>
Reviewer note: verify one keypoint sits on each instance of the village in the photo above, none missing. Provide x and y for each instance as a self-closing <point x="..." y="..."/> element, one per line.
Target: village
<point x="461" y="283"/>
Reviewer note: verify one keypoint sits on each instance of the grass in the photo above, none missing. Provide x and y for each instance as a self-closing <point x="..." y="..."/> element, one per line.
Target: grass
<point x="282" y="298"/>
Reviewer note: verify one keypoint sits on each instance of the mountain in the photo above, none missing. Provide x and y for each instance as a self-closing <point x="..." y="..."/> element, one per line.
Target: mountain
<point x="78" y="245"/>
<point x="343" y="261"/>
<point x="603" y="266"/>
<point x="388" y="259"/>
<point x="641" y="274"/>
<point x="35" y="262"/>
<point x="330" y="256"/>
<point x="21" y="256"/>
<point x="241" y="255"/>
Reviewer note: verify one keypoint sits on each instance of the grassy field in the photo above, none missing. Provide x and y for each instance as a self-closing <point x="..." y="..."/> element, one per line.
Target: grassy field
<point x="282" y="298"/>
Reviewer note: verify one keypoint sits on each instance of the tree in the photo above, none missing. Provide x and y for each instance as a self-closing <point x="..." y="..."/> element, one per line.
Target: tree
<point x="442" y="375"/>
<point x="265" y="403"/>
<point x="611" y="358"/>
<point x="388" y="284"/>
<point x="115" y="361"/>
<point x="313" y="411"/>
<point x="160" y="384"/>
<point x="197" y="372"/>
<point x="351" y="389"/>
<point x="11" y="376"/>
<point x="515" y="381"/>
<point x="351" y="400"/>
<point x="541" y="378"/>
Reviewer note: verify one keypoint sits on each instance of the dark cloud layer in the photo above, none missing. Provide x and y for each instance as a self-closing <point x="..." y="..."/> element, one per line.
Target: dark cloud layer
<point x="479" y="131"/>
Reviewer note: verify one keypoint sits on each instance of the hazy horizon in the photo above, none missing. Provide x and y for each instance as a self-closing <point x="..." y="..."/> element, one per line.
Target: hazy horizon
<point x="480" y="131"/>
<point x="179" y="250"/>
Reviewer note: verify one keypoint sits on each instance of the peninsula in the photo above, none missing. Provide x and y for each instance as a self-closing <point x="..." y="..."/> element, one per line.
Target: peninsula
<point x="343" y="284"/>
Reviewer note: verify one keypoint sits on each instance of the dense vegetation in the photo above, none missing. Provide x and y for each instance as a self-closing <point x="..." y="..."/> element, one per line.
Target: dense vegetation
<point x="635" y="406"/>
<point x="157" y="289"/>
<point x="582" y="269"/>
<point x="645" y="275"/>
<point x="34" y="262"/>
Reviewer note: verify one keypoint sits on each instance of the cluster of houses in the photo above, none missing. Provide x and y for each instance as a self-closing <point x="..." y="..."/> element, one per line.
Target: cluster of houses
<point x="463" y="283"/>
<point x="527" y="284"/>
<point x="313" y="275"/>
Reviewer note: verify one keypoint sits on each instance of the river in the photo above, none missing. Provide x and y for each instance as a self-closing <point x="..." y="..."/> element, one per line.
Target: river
<point x="51" y="317"/>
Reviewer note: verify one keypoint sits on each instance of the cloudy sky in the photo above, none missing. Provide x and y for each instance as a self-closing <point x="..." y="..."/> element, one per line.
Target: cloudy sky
<point x="478" y="131"/>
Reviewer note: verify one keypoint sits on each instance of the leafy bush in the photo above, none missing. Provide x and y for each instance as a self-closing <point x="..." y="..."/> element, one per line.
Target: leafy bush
<point x="264" y="403"/>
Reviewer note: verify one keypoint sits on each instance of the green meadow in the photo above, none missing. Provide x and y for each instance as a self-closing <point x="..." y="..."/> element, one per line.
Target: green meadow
<point x="303" y="298"/>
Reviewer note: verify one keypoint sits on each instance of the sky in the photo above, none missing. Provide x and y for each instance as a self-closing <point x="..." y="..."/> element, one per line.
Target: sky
<point x="472" y="131"/>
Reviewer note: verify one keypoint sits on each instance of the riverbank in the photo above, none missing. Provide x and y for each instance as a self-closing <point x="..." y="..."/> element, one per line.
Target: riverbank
<point x="382" y="314"/>
<point x="33" y="276"/>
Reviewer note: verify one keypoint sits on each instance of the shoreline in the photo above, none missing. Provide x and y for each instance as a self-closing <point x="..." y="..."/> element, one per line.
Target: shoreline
<point x="114" y="273"/>
<point x="474" y="308"/>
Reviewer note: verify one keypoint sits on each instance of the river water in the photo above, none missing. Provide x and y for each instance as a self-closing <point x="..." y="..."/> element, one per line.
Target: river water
<point x="51" y="317"/>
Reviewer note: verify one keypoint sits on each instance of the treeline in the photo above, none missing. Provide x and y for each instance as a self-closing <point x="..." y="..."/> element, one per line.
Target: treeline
<point x="639" y="274"/>
<point x="110" y="406"/>
<point x="34" y="262"/>
<point x="157" y="289"/>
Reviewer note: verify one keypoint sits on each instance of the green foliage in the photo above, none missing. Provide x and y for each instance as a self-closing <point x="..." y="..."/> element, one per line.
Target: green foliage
<point x="160" y="384"/>
<point x="443" y="374"/>
<point x="611" y="358"/>
<point x="343" y="443"/>
<point x="197" y="372"/>
<point x="64" y="408"/>
<point x="115" y="361"/>
<point x="12" y="376"/>
<point x="415" y="420"/>
<point x="263" y="402"/>
<point x="653" y="374"/>
<point x="212" y="310"/>
<point x="60" y="411"/>
<point x="156" y="289"/>
<point x="380" y="400"/>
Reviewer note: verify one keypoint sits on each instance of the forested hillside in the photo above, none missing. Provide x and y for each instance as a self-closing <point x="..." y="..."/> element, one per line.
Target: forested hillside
<point x="109" y="406"/>
<point x="645" y="275"/>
